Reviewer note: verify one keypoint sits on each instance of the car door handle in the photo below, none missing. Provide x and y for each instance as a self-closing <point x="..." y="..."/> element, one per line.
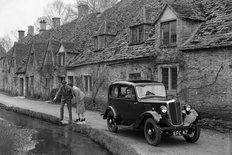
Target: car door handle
<point x="135" y="102"/>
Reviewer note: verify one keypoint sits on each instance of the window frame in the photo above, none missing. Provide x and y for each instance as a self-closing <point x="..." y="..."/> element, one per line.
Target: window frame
<point x="170" y="30"/>
<point x="88" y="83"/>
<point x="133" y="75"/>
<point x="136" y="35"/>
<point x="61" y="57"/>
<point x="169" y="86"/>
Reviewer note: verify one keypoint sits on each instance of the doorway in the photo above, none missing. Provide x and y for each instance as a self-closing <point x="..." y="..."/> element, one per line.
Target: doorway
<point x="21" y="93"/>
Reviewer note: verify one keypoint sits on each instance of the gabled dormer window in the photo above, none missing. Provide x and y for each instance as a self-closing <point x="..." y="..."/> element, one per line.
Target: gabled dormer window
<point x="168" y="33"/>
<point x="137" y="34"/>
<point x="61" y="59"/>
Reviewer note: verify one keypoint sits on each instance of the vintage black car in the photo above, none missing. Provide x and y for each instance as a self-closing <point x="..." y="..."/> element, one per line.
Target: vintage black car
<point x="145" y="104"/>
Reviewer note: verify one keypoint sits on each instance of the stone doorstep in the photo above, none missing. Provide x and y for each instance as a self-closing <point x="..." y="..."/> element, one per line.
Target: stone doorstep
<point x="111" y="143"/>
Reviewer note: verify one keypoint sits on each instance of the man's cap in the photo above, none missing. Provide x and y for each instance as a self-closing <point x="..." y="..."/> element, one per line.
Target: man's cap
<point x="64" y="82"/>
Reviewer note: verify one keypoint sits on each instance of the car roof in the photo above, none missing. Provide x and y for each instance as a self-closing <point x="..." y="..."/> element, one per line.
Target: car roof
<point x="136" y="82"/>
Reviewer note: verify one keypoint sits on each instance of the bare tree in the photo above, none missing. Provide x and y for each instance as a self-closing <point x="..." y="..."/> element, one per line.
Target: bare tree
<point x="6" y="42"/>
<point x="97" y="5"/>
<point x="58" y="8"/>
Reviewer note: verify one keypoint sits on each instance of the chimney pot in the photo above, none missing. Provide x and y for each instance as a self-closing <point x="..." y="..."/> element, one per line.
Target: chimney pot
<point x="83" y="10"/>
<point x="56" y="22"/>
<point x="42" y="25"/>
<point x="31" y="30"/>
<point x="21" y="34"/>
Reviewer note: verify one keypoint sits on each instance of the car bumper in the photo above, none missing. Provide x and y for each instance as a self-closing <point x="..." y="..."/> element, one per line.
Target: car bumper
<point x="173" y="128"/>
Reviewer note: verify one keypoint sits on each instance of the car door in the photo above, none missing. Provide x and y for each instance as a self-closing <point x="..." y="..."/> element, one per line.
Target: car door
<point x="125" y="106"/>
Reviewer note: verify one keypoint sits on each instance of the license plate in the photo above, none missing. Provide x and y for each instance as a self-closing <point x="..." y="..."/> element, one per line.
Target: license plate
<point x="179" y="133"/>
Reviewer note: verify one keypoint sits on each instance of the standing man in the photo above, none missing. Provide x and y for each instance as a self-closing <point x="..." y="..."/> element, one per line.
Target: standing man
<point x="66" y="93"/>
<point x="80" y="103"/>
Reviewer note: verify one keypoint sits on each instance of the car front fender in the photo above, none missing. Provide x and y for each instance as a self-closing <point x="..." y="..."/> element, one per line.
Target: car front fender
<point x="144" y="116"/>
<point x="109" y="108"/>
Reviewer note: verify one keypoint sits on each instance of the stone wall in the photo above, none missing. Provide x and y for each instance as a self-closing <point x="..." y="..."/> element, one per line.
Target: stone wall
<point x="103" y="75"/>
<point x="206" y="80"/>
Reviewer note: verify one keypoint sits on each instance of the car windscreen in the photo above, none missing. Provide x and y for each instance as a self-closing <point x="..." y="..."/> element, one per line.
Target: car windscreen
<point x="151" y="90"/>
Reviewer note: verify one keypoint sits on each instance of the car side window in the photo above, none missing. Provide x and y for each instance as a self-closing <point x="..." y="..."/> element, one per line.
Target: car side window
<point x="130" y="94"/>
<point x="122" y="92"/>
<point x="114" y="92"/>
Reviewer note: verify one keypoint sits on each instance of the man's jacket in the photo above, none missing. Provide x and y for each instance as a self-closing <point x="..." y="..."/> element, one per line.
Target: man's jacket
<point x="66" y="92"/>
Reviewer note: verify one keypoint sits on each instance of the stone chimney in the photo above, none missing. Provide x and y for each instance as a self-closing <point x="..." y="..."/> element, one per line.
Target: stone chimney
<point x="42" y="25"/>
<point x="21" y="34"/>
<point x="30" y="30"/>
<point x="83" y="10"/>
<point x="56" y="22"/>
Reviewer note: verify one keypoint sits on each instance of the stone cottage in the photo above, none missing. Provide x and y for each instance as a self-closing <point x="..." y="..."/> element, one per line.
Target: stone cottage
<point x="156" y="45"/>
<point x="185" y="44"/>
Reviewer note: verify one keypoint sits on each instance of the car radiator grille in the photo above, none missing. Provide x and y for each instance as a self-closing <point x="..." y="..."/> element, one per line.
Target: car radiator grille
<point x="175" y="113"/>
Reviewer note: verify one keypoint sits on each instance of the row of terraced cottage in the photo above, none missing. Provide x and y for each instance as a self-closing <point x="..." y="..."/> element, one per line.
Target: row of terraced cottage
<point x="186" y="45"/>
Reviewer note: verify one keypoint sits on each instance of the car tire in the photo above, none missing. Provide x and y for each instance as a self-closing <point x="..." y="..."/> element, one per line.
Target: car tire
<point x="112" y="126"/>
<point x="152" y="132"/>
<point x="193" y="135"/>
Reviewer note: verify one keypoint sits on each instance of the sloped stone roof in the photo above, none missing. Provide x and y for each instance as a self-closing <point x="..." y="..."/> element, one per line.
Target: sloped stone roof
<point x="70" y="47"/>
<point x="107" y="27"/>
<point x="9" y="55"/>
<point x="122" y="14"/>
<point x="21" y="51"/>
<point x="39" y="49"/>
<point x="55" y="45"/>
<point x="2" y="52"/>
<point x="189" y="10"/>
<point x="217" y="30"/>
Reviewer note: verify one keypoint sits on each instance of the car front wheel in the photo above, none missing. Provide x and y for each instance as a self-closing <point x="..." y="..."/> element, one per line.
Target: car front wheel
<point x="193" y="135"/>
<point x="152" y="132"/>
<point x="112" y="126"/>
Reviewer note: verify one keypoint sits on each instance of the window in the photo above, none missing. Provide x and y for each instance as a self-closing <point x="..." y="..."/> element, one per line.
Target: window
<point x="88" y="83"/>
<point x="114" y="92"/>
<point x="135" y="76"/>
<point x="32" y="58"/>
<point x="62" y="59"/>
<point x="32" y="83"/>
<point x="137" y="34"/>
<point x="168" y="76"/>
<point x="47" y="82"/>
<point x="60" y="79"/>
<point x="70" y="79"/>
<point x="168" y="32"/>
<point x="100" y="42"/>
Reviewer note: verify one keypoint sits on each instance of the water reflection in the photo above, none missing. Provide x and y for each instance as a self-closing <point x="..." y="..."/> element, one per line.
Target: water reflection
<point x="53" y="139"/>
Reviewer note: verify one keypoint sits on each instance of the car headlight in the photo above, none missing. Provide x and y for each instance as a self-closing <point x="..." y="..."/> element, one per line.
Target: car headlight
<point x="187" y="107"/>
<point x="163" y="109"/>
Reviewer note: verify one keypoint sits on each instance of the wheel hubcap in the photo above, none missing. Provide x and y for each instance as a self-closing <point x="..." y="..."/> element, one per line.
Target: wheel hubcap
<point x="149" y="131"/>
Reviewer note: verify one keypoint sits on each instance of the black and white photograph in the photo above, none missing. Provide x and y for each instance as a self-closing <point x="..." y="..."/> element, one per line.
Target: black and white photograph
<point x="116" y="77"/>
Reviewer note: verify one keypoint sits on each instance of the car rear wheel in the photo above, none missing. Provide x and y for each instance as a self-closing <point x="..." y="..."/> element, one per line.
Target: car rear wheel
<point x="193" y="135"/>
<point x="152" y="132"/>
<point x="112" y="126"/>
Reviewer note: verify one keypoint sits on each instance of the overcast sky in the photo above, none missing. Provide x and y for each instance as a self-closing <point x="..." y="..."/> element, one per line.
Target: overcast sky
<point x="19" y="14"/>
